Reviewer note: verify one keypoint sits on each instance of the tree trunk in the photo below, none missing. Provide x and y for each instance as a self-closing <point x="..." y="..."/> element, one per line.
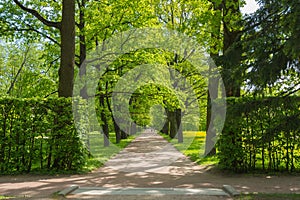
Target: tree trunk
<point x="124" y="135"/>
<point x="178" y="116"/>
<point x="104" y="121"/>
<point x="82" y="38"/>
<point x="67" y="31"/>
<point x="82" y="47"/>
<point x="173" y="123"/>
<point x="232" y="54"/>
<point x="117" y="131"/>
<point x="212" y="92"/>
<point x="231" y="34"/>
<point x="166" y="127"/>
<point x="212" y="95"/>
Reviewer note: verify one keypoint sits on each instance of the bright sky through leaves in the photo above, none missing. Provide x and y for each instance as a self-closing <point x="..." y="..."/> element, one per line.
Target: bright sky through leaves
<point x="250" y="7"/>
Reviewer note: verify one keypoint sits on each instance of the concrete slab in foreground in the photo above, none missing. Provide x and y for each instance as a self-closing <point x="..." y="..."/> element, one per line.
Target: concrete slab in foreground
<point x="148" y="191"/>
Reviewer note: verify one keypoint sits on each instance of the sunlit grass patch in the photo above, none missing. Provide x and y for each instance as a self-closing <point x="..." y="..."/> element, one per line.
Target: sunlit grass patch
<point x="5" y="197"/>
<point x="193" y="147"/>
<point x="101" y="154"/>
<point x="262" y="196"/>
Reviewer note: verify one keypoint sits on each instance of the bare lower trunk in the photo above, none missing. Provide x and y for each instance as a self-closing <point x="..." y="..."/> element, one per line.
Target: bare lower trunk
<point x="67" y="31"/>
<point x="210" y="118"/>
<point x="179" y="127"/>
<point x="104" y="121"/>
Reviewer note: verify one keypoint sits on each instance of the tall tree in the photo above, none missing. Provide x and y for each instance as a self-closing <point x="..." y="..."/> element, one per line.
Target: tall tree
<point x="232" y="51"/>
<point x="213" y="81"/>
<point x="226" y="51"/>
<point x="67" y="32"/>
<point x="66" y="28"/>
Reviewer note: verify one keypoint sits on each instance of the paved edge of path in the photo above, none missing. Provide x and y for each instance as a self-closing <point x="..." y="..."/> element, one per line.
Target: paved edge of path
<point x="226" y="191"/>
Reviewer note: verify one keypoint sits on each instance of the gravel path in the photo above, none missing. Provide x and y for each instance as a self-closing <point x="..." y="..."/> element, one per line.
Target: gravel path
<point x="148" y="162"/>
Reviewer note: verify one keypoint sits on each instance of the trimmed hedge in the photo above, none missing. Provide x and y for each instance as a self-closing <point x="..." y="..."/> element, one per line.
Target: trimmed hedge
<point x="261" y="134"/>
<point x="39" y="134"/>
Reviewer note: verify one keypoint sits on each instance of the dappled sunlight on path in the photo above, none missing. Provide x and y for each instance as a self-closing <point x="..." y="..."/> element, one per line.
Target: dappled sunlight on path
<point x="151" y="153"/>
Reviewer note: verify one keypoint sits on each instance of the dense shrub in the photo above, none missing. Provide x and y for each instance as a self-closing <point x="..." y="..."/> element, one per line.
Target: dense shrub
<point x="38" y="134"/>
<point x="261" y="134"/>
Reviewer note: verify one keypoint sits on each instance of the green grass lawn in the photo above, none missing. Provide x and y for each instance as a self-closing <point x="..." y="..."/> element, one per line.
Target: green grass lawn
<point x="5" y="197"/>
<point x="195" y="150"/>
<point x="261" y="196"/>
<point x="101" y="154"/>
<point x="193" y="147"/>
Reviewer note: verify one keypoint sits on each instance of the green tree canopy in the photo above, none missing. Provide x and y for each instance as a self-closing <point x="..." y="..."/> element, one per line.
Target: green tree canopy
<point x="272" y="46"/>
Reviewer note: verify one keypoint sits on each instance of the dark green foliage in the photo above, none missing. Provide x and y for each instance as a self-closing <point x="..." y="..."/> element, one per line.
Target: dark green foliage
<point x="38" y="134"/>
<point x="261" y="134"/>
<point x="272" y="47"/>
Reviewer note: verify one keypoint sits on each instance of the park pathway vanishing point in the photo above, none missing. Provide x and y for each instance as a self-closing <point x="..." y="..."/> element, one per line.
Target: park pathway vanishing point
<point x="148" y="164"/>
<point x="149" y="168"/>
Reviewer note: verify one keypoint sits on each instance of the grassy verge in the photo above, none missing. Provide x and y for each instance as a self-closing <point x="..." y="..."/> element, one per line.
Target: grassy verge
<point x="5" y="197"/>
<point x="101" y="154"/>
<point x="261" y="196"/>
<point x="193" y="147"/>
